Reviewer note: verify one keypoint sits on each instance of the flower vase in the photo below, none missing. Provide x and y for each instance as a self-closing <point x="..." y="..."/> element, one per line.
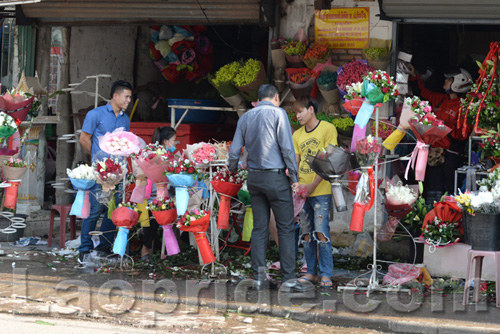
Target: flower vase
<point x="166" y="218"/>
<point x="120" y="244"/>
<point x="246" y="235"/>
<point x="226" y="191"/>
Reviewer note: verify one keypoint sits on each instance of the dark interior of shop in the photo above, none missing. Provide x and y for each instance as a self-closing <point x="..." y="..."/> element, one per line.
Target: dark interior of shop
<point x="437" y="47"/>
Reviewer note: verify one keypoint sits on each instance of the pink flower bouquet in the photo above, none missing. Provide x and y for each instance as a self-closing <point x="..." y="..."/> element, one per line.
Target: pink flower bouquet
<point x="201" y="153"/>
<point x="154" y="160"/>
<point x="428" y="130"/>
<point x="120" y="142"/>
<point x="412" y="106"/>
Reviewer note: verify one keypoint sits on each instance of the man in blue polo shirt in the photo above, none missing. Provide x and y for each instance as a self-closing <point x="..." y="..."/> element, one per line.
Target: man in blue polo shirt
<point x="98" y="121"/>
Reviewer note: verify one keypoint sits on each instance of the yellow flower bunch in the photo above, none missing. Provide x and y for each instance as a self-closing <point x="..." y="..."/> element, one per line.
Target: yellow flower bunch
<point x="463" y="199"/>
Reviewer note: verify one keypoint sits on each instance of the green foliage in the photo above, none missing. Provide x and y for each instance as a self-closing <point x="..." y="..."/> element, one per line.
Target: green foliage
<point x="343" y="123"/>
<point x="376" y="53"/>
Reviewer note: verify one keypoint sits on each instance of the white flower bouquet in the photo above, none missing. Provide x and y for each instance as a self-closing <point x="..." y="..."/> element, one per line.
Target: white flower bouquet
<point x="399" y="199"/>
<point x="83" y="179"/>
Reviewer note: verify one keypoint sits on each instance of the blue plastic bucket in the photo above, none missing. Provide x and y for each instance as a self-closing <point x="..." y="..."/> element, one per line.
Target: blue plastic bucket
<point x="195" y="115"/>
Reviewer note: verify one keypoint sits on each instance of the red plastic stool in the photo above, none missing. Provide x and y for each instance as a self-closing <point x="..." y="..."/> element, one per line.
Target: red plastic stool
<point x="477" y="256"/>
<point x="63" y="211"/>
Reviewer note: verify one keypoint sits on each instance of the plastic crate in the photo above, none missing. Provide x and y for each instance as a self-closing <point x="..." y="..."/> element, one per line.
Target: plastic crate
<point x="186" y="133"/>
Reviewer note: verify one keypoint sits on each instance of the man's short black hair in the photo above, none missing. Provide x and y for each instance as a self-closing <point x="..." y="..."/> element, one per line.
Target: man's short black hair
<point x="119" y="86"/>
<point x="307" y="101"/>
<point x="267" y="91"/>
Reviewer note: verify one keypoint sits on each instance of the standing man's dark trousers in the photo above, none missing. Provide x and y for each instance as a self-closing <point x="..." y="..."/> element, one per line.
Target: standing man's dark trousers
<point x="270" y="188"/>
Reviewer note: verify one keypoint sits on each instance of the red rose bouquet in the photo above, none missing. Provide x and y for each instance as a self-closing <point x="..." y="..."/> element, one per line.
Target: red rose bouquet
<point x="124" y="217"/>
<point x="164" y="211"/>
<point x="227" y="184"/>
<point x="181" y="174"/>
<point x="197" y="222"/>
<point x="109" y="172"/>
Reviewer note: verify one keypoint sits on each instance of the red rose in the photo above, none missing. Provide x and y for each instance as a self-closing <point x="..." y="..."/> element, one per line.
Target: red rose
<point x="177" y="170"/>
<point x="151" y="155"/>
<point x="497" y="103"/>
<point x="191" y="170"/>
<point x="385" y="90"/>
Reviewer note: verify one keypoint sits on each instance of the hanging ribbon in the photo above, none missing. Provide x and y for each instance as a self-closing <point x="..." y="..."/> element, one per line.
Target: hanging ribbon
<point x="418" y="161"/>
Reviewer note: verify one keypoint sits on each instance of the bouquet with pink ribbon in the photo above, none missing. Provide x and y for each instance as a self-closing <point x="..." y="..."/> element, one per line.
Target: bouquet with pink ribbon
<point x="154" y="160"/>
<point x="412" y="107"/>
<point x="428" y="130"/>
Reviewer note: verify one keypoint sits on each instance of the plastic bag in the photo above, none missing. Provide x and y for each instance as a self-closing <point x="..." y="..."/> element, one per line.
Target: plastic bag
<point x="387" y="230"/>
<point x="400" y="273"/>
<point x="362" y="246"/>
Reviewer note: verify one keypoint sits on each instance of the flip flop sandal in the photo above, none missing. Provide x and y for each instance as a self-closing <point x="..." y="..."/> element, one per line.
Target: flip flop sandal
<point x="146" y="258"/>
<point x="323" y="285"/>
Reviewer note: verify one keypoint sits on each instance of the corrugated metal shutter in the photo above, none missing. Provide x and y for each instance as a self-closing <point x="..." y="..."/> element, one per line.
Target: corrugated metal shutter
<point x="440" y="9"/>
<point x="74" y="12"/>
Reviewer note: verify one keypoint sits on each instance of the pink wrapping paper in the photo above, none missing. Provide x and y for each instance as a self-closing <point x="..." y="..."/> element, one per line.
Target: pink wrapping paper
<point x="418" y="161"/>
<point x="357" y="134"/>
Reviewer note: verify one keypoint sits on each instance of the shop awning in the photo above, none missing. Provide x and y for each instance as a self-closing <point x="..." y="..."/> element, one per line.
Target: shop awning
<point x="444" y="11"/>
<point x="203" y="12"/>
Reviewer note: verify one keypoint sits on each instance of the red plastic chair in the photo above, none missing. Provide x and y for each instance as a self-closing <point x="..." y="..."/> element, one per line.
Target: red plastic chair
<point x="63" y="211"/>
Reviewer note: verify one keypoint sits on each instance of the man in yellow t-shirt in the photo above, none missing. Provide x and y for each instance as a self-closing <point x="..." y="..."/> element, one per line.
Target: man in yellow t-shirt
<point x="313" y="136"/>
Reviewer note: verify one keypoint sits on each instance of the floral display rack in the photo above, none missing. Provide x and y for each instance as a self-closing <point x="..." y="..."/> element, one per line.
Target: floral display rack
<point x="213" y="231"/>
<point x="374" y="267"/>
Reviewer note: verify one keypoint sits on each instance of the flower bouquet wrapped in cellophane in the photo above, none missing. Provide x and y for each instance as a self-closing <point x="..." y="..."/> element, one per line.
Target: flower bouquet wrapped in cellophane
<point x="83" y="179"/>
<point x="16" y="104"/>
<point x="428" y="130"/>
<point x="227" y="185"/>
<point x="154" y="160"/>
<point x="400" y="198"/>
<point x="197" y="221"/>
<point x="377" y="88"/>
<point x="367" y="152"/>
<point x="121" y="143"/>
<point x="331" y="163"/>
<point x="165" y="214"/>
<point x="412" y="106"/>
<point x="109" y="172"/>
<point x="201" y="153"/>
<point x="182" y="174"/>
<point x="125" y="216"/>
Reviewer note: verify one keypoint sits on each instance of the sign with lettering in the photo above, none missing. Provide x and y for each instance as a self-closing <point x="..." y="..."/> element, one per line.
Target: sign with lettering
<point x="343" y="28"/>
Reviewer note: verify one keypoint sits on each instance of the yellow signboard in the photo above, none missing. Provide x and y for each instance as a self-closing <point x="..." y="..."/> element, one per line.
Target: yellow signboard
<point x="343" y="28"/>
